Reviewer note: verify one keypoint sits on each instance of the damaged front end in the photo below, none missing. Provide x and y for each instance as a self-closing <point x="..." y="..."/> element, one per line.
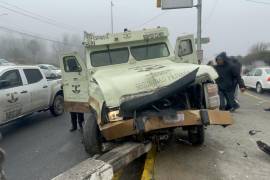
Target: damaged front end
<point x="189" y="102"/>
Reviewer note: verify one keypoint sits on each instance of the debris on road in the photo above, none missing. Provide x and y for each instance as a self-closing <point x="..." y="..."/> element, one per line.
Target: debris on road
<point x="264" y="147"/>
<point x="183" y="141"/>
<point x="221" y="152"/>
<point x="253" y="132"/>
<point x="245" y="154"/>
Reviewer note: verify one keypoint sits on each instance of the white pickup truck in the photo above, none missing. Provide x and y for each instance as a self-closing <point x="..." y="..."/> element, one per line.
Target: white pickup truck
<point x="24" y="90"/>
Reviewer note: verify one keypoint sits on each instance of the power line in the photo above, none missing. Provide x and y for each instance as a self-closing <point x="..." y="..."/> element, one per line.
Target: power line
<point x="151" y="19"/>
<point x="259" y="2"/>
<point x="35" y="36"/>
<point x="35" y="14"/>
<point x="210" y="15"/>
<point x="33" y="17"/>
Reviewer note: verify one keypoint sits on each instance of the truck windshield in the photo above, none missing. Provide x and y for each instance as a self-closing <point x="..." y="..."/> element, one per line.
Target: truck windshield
<point x="150" y="51"/>
<point x="109" y="57"/>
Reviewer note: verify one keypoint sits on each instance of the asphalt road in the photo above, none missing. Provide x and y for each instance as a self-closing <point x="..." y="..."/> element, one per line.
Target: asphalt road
<point x="40" y="147"/>
<point x="228" y="153"/>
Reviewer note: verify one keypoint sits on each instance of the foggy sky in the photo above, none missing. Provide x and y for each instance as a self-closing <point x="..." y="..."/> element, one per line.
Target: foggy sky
<point x="232" y="25"/>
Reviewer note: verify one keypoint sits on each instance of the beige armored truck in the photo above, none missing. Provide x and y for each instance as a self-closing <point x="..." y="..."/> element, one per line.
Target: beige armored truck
<point x="136" y="86"/>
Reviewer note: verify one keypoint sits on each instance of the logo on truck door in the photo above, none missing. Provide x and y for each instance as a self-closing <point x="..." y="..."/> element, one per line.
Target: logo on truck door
<point x="76" y="89"/>
<point x="13" y="98"/>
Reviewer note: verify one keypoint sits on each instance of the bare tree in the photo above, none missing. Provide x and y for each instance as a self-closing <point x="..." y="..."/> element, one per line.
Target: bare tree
<point x="259" y="47"/>
<point x="34" y="47"/>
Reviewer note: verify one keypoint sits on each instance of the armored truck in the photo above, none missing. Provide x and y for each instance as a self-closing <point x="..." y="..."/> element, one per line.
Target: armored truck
<point x="135" y="85"/>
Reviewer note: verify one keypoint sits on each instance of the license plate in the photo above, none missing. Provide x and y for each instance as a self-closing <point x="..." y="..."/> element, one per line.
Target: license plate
<point x="177" y="118"/>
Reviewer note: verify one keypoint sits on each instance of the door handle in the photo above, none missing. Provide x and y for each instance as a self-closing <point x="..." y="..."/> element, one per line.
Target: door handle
<point x="24" y="92"/>
<point x="45" y="86"/>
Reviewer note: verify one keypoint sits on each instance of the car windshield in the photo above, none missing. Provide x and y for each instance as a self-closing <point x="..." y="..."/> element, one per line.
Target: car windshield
<point x="150" y="51"/>
<point x="267" y="71"/>
<point x="109" y="57"/>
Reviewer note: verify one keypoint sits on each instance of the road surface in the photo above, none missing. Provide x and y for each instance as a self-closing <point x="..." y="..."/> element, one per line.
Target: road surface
<point x="40" y="147"/>
<point x="228" y="153"/>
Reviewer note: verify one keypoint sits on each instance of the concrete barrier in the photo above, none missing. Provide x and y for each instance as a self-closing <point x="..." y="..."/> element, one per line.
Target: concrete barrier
<point x="90" y="169"/>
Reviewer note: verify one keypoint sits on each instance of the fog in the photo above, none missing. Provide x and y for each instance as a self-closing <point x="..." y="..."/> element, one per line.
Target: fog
<point x="232" y="25"/>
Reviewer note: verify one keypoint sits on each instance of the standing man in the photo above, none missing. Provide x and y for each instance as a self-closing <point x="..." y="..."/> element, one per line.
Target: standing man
<point x="238" y="70"/>
<point x="226" y="82"/>
<point x="75" y="116"/>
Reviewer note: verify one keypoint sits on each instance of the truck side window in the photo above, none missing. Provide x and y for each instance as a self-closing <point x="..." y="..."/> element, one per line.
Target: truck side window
<point x="10" y="79"/>
<point x="71" y="64"/>
<point x="32" y="75"/>
<point x="185" y="48"/>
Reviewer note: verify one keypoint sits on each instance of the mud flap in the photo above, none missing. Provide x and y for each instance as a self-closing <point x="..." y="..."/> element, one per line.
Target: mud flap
<point x="204" y="117"/>
<point x="217" y="117"/>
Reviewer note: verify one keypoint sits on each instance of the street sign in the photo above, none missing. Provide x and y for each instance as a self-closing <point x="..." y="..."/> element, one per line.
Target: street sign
<point x="176" y="4"/>
<point x="204" y="40"/>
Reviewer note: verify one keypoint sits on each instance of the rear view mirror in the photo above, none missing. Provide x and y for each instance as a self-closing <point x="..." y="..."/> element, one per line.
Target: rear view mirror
<point x="4" y="84"/>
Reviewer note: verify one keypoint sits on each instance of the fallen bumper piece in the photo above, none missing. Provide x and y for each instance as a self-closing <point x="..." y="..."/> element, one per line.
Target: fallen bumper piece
<point x="264" y="147"/>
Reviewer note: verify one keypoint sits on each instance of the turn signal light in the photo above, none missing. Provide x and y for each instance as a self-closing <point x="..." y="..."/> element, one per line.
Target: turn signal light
<point x="268" y="79"/>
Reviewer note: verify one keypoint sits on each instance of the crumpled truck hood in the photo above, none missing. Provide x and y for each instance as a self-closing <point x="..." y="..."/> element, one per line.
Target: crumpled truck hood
<point x="120" y="80"/>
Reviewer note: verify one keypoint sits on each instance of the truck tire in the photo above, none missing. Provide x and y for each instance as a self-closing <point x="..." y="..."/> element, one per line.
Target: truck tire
<point x="259" y="88"/>
<point x="196" y="135"/>
<point x="57" y="107"/>
<point x="92" y="136"/>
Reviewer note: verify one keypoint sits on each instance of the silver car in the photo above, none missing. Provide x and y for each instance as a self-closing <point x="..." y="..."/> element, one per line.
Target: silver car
<point x="50" y="71"/>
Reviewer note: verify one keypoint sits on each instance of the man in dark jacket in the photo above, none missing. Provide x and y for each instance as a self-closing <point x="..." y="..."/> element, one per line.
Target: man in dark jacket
<point x="227" y="80"/>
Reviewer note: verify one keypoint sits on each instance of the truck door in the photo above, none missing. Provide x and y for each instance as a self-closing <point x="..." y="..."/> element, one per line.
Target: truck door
<point x="185" y="51"/>
<point x="14" y="97"/>
<point x="74" y="78"/>
<point x="38" y="87"/>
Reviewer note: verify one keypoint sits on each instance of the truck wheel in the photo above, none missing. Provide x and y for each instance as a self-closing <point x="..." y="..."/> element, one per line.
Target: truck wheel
<point x="196" y="135"/>
<point x="92" y="136"/>
<point x="57" y="107"/>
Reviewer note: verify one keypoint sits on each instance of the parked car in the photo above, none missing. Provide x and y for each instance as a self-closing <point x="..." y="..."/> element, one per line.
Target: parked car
<point x="24" y="90"/>
<point x="50" y="71"/>
<point x="258" y="78"/>
<point x="4" y="62"/>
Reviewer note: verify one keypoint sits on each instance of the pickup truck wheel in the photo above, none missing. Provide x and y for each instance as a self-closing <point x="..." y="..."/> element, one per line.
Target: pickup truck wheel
<point x="92" y="136"/>
<point x="57" y="107"/>
<point x="196" y="135"/>
<point x="259" y="88"/>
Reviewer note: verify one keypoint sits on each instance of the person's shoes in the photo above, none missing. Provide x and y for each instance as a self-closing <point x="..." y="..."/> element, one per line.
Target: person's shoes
<point x="237" y="106"/>
<point x="232" y="110"/>
<point x="73" y="129"/>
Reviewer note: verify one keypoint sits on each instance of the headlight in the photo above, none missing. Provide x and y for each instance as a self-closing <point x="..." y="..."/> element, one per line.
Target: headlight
<point x="211" y="96"/>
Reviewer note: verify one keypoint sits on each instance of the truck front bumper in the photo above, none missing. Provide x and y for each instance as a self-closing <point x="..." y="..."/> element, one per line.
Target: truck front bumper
<point x="122" y="128"/>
